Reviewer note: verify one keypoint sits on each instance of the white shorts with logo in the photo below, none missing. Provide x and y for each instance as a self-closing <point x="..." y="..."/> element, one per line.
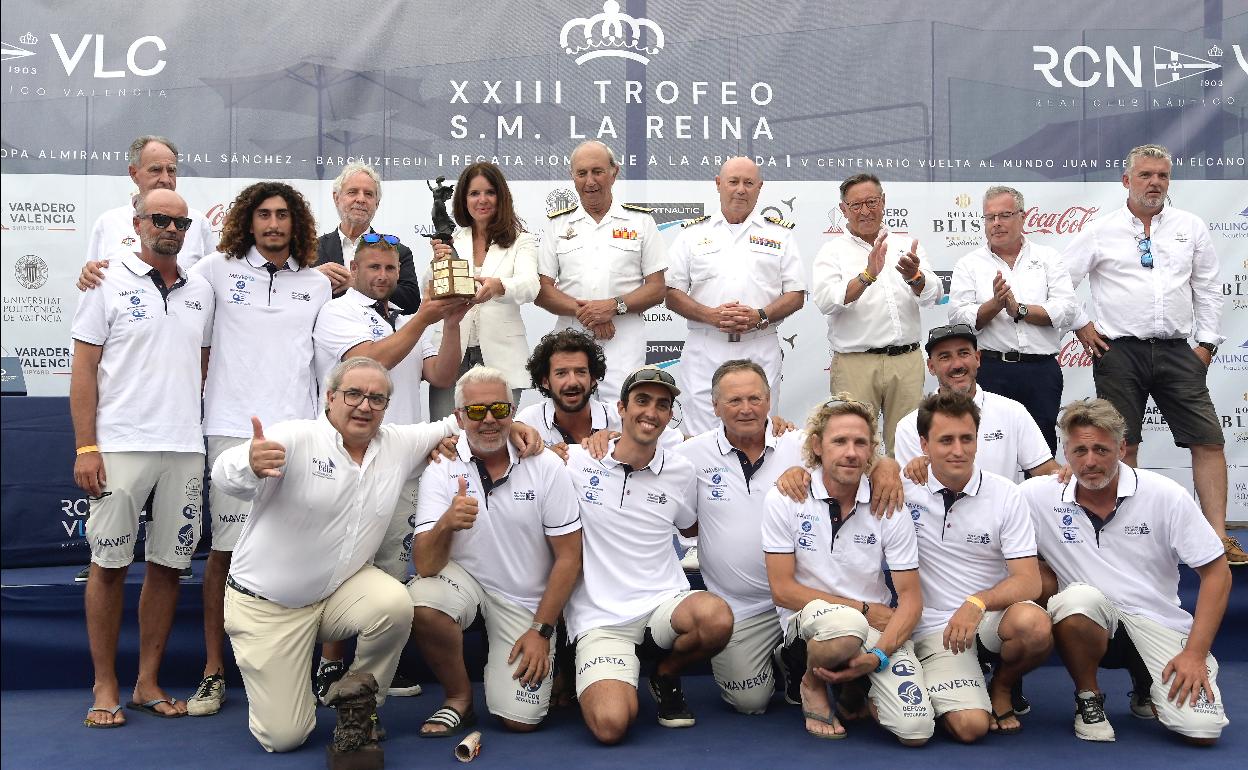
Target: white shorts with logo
<point x="172" y="529"/>
<point x="1157" y="646"/>
<point x="956" y="682"/>
<point x="897" y="691"/>
<point x="459" y="595"/>
<point x="229" y="513"/>
<point x="610" y="652"/>
<point x="394" y="555"/>
<point x="743" y="668"/>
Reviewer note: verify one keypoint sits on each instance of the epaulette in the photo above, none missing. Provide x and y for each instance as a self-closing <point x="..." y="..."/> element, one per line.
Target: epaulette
<point x="561" y="212"/>
<point x="786" y="224"/>
<point x="635" y="207"/>
<point x="696" y="220"/>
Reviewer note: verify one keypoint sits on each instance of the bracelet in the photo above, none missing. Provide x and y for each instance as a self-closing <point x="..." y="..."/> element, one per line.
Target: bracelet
<point x="865" y="608"/>
<point x="877" y="652"/>
<point x="82" y="450"/>
<point x="978" y="602"/>
<point x="866" y="277"/>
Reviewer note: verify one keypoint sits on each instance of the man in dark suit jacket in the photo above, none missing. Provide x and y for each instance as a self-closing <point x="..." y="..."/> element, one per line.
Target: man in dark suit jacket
<point x="357" y="192"/>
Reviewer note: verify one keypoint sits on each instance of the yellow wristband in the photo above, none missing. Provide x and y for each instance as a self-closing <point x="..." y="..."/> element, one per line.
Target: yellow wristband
<point x="82" y="450"/>
<point x="978" y="602"/>
<point x="866" y="276"/>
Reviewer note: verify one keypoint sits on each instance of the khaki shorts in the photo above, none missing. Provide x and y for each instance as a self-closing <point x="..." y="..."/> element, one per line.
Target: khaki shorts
<point x="229" y="514"/>
<point x="1157" y="646"/>
<point x="897" y="691"/>
<point x="459" y="595"/>
<point x="610" y="652"/>
<point x="172" y="530"/>
<point x="743" y="669"/>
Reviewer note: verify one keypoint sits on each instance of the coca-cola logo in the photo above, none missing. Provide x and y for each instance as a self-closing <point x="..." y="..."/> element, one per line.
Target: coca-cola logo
<point x="1072" y="355"/>
<point x="1065" y="222"/>
<point x="216" y="215"/>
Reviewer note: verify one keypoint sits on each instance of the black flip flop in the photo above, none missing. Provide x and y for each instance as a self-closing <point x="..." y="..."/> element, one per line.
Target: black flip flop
<point x="450" y="718"/>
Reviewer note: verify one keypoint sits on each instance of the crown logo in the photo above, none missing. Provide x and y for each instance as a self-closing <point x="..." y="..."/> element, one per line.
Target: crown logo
<point x="1215" y="52"/>
<point x="28" y="39"/>
<point x="603" y="34"/>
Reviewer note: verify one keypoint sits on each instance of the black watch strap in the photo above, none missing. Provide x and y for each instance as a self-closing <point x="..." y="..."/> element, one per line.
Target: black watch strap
<point x="544" y="630"/>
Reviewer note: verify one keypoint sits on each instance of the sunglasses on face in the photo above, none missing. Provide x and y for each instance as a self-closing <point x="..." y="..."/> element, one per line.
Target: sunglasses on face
<point x="393" y="240"/>
<point x="162" y="221"/>
<point x="476" y="412"/>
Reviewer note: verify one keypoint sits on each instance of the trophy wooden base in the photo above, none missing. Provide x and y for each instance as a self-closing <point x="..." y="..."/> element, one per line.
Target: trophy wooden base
<point x="452" y="278"/>
<point x="367" y="757"/>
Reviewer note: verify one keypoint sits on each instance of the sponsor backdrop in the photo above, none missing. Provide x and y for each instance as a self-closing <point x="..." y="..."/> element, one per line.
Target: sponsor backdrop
<point x="1046" y="98"/>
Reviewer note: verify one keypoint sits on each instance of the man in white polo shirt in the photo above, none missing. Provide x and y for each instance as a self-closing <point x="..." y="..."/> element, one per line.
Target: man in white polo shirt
<point x="1114" y="536"/>
<point x="823" y="560"/>
<point x="1010" y="442"/>
<point x="497" y="536"/>
<point x="977" y="555"/>
<point x="633" y="587"/>
<point x="139" y="334"/>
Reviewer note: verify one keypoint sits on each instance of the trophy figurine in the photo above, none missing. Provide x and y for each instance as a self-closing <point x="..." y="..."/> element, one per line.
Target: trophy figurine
<point x="452" y="276"/>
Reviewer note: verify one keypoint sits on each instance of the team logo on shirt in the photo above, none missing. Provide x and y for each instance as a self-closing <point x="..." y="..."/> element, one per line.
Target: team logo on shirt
<point x="903" y="668"/>
<point x="189" y="511"/>
<point x="806" y="542"/>
<point x="659" y="499"/>
<point x="192" y="304"/>
<point x="1071" y="536"/>
<point x="186" y="540"/>
<point x="1067" y="520"/>
<point x="1137" y="529"/>
<point x="323" y="468"/>
<point x="135" y="299"/>
<point x="718" y="493"/>
<point x="716" y="478"/>
<point x="807" y="526"/>
<point x="996" y="435"/>
<point x="526" y="494"/>
<point x="861" y="539"/>
<point x="979" y="538"/>
<point x="594" y="481"/>
<point x="192" y="489"/>
<point x="302" y="296"/>
<point x="910" y="693"/>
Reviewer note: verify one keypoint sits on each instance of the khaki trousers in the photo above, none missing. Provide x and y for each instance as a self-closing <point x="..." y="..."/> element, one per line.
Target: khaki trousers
<point x="892" y="384"/>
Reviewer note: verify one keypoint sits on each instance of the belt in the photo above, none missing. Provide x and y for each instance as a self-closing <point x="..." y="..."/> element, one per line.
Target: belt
<point x="229" y="581"/>
<point x="1014" y="357"/>
<point x="1152" y="340"/>
<point x="894" y="350"/>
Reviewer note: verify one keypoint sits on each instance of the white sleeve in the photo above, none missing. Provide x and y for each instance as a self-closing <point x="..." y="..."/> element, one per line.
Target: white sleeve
<point x="1060" y="303"/>
<point x="547" y="258"/>
<point x="1033" y="450"/>
<point x="1206" y="290"/>
<point x="340" y="327"/>
<point x="92" y="321"/>
<point x="901" y="546"/>
<point x="522" y="285"/>
<point x="417" y="441"/>
<point x="777" y="523"/>
<point x="906" y="445"/>
<point x="232" y="473"/>
<point x="653" y="248"/>
<point x="687" y="502"/>
<point x="963" y="301"/>
<point x="827" y="281"/>
<point x="933" y="288"/>
<point x="1018" y="535"/>
<point x="1191" y="535"/>
<point x="561" y="511"/>
<point x="792" y="269"/>
<point x="434" y="495"/>
<point x="677" y="276"/>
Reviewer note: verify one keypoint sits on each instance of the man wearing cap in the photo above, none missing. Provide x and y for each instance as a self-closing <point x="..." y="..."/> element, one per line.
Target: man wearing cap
<point x="1010" y="442"/>
<point x="1018" y="297"/>
<point x="870" y="284"/>
<point x="633" y="588"/>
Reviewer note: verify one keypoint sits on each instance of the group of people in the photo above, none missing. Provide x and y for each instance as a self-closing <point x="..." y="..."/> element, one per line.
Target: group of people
<point x="329" y="480"/>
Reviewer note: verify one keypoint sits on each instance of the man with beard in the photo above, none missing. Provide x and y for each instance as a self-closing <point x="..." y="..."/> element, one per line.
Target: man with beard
<point x="1114" y="536"/>
<point x="141" y="333"/>
<point x="1153" y="274"/>
<point x="357" y="194"/>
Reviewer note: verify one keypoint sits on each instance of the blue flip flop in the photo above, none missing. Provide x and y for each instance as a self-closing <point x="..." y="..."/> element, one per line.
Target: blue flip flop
<point x="150" y="708"/>
<point x="101" y="725"/>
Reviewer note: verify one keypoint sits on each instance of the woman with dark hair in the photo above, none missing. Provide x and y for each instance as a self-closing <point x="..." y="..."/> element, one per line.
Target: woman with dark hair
<point x="504" y="264"/>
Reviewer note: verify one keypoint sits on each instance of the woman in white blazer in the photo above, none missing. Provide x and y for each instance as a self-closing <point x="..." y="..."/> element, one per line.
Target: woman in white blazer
<point x="504" y="259"/>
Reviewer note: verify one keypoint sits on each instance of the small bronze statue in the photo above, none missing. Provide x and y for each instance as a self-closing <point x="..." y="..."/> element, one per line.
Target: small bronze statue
<point x="355" y="745"/>
<point x="452" y="277"/>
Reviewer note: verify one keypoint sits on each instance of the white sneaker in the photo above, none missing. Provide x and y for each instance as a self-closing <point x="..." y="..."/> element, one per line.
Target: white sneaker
<point x="1091" y="724"/>
<point x="208" y="697"/>
<point x="689" y="562"/>
<point x="1142" y="705"/>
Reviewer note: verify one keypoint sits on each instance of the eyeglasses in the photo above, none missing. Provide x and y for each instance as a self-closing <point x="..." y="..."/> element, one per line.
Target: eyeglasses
<point x="355" y="397"/>
<point x="940" y="332"/>
<point x="1145" y="246"/>
<point x="870" y="203"/>
<point x="476" y="412"/>
<point x="1004" y="216"/>
<point x="393" y="240"/>
<point x="162" y="221"/>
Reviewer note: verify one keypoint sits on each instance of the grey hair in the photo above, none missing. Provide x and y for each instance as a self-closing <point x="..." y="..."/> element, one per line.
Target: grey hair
<point x="1000" y="189"/>
<point x="136" y="147"/>
<point x="1093" y="413"/>
<point x="355" y="168"/>
<point x="1147" y="151"/>
<point x="334" y="381"/>
<point x="610" y="153"/>
<point x="737" y="365"/>
<point x="480" y="375"/>
<point x="140" y="201"/>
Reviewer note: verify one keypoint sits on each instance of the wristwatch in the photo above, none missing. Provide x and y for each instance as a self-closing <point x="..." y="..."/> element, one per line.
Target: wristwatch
<point x="544" y="630"/>
<point x="1021" y="313"/>
<point x="1212" y="348"/>
<point x="620" y="307"/>
<point x="763" y="321"/>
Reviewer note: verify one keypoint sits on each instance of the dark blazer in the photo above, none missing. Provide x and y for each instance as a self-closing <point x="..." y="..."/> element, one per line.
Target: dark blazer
<point x="406" y="294"/>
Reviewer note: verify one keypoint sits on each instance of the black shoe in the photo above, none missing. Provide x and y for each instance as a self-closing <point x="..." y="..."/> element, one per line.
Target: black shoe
<point x="673" y="710"/>
<point x="401" y="686"/>
<point x="1018" y="701"/>
<point x="329" y="672"/>
<point x="185" y="574"/>
<point x="82" y="576"/>
<point x="791" y="664"/>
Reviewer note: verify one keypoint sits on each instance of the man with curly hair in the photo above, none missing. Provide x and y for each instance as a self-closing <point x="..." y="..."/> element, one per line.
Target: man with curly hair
<point x="267" y="300"/>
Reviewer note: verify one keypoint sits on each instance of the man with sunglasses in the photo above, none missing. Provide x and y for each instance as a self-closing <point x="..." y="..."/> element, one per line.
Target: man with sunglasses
<point x="1017" y="296"/>
<point x="870" y="284"/>
<point x="357" y="194"/>
<point x="500" y="536"/>
<point x="1153" y="275"/>
<point x="131" y="445"/>
<point x="633" y="589"/>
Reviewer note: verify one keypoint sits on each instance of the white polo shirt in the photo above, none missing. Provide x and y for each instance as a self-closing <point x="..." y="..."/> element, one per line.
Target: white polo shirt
<point x="113" y="235"/>
<point x="351" y="319"/>
<point x="752" y="263"/>
<point x="322" y="520"/>
<point x="731" y="511"/>
<point x="1009" y="439"/>
<point x="630" y="565"/>
<point x="849" y="564"/>
<point x="887" y="312"/>
<point x="1039" y="278"/>
<point x="1133" y="558"/>
<point x="506" y="548"/>
<point x="149" y="374"/>
<point x="965" y="550"/>
<point x="603" y="416"/>
<point x="261" y="362"/>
